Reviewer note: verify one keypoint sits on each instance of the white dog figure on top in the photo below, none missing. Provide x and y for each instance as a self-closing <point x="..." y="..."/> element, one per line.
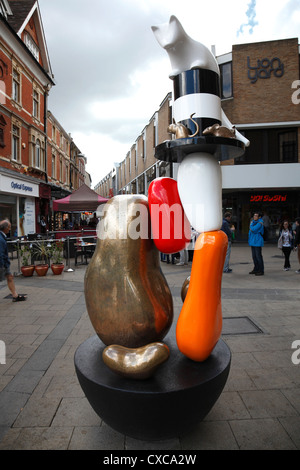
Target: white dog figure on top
<point x="186" y="54"/>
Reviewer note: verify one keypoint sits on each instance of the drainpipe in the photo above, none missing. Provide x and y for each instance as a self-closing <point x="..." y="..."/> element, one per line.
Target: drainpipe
<point x="45" y="131"/>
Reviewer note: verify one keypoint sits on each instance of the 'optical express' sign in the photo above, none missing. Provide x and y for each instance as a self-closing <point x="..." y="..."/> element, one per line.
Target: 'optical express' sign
<point x="17" y="186"/>
<point x="268" y="198"/>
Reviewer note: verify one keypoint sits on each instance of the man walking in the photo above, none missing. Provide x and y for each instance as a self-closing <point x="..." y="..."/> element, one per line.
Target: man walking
<point x="226" y="229"/>
<point x="5" y="227"/>
<point x="256" y="241"/>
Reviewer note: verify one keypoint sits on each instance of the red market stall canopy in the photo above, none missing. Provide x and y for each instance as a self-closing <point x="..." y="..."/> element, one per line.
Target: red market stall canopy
<point x="83" y="199"/>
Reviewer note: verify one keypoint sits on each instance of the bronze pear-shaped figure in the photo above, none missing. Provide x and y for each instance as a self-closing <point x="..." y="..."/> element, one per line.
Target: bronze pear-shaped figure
<point x="127" y="296"/>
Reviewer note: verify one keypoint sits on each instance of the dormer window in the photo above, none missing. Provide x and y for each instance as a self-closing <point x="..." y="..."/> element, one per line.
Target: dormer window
<point x="32" y="46"/>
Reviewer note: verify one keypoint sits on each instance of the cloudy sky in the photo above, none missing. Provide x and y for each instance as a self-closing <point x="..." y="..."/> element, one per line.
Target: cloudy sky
<point x="111" y="75"/>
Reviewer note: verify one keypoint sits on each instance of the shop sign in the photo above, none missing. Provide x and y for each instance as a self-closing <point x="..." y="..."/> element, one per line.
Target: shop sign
<point x="17" y="186"/>
<point x="264" y="69"/>
<point x="268" y="198"/>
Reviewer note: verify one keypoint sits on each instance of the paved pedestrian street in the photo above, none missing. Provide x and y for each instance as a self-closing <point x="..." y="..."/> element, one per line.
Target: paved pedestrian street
<point x="42" y="406"/>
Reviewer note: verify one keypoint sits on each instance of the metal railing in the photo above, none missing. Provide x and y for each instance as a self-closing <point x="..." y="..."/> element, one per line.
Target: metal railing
<point x="18" y="242"/>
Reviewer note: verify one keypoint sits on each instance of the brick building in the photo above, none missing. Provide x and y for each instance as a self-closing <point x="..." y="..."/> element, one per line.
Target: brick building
<point x="35" y="151"/>
<point x="260" y="94"/>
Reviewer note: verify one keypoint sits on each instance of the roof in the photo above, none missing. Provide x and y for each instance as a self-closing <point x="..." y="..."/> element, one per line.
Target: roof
<point x="20" y="10"/>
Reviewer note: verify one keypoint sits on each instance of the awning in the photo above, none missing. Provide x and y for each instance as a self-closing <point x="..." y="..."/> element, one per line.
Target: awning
<point x="83" y="199"/>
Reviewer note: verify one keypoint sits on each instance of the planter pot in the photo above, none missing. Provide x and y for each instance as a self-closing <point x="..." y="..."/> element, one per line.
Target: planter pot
<point x="41" y="269"/>
<point x="57" y="268"/>
<point x="27" y="270"/>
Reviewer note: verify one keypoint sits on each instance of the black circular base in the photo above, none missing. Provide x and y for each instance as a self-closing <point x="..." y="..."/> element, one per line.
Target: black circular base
<point x="221" y="148"/>
<point x="169" y="404"/>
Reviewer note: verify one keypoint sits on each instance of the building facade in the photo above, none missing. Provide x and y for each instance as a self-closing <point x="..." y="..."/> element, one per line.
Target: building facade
<point x="260" y="91"/>
<point x="37" y="162"/>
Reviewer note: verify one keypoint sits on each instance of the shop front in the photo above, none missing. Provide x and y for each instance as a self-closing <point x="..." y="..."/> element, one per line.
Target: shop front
<point x="17" y="203"/>
<point x="275" y="206"/>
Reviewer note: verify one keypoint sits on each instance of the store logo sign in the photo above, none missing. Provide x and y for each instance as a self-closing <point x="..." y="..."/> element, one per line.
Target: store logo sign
<point x="268" y="198"/>
<point x="21" y="186"/>
<point x="264" y="69"/>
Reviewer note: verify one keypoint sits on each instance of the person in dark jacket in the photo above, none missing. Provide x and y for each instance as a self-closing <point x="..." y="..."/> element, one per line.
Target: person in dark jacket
<point x="297" y="240"/>
<point x="256" y="241"/>
<point x="5" y="227"/>
<point x="226" y="229"/>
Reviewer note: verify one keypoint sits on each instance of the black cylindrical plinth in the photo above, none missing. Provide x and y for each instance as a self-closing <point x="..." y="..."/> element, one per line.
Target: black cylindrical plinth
<point x="169" y="404"/>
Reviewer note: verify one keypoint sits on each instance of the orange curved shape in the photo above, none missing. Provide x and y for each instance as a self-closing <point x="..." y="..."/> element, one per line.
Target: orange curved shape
<point x="199" y="324"/>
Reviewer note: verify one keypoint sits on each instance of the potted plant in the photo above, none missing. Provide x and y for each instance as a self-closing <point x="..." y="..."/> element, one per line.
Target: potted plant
<point x="57" y="264"/>
<point x="43" y="253"/>
<point x="27" y="269"/>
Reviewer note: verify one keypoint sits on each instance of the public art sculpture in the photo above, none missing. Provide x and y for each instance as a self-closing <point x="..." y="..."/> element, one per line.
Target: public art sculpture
<point x="140" y="385"/>
<point x="196" y="77"/>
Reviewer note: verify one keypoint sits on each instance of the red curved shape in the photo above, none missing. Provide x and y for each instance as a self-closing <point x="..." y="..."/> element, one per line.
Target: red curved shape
<point x="171" y="229"/>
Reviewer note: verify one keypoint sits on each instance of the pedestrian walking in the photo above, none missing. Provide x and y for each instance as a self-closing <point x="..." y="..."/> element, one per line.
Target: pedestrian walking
<point x="285" y="243"/>
<point x="184" y="257"/>
<point x="256" y="241"/>
<point x="297" y="240"/>
<point x="226" y="229"/>
<point x="5" y="227"/>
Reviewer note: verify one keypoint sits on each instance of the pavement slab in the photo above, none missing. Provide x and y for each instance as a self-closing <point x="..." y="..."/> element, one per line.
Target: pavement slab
<point x="42" y="406"/>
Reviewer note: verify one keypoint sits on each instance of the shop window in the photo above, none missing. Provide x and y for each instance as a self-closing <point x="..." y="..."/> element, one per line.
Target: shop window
<point x="16" y="86"/>
<point x="164" y="169"/>
<point x="133" y="187"/>
<point x="226" y="80"/>
<point x="141" y="184"/>
<point x="151" y="175"/>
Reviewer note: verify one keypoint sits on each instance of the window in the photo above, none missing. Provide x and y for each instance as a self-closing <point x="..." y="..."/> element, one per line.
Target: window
<point x="38" y="154"/>
<point x="270" y="146"/>
<point x="60" y="171"/>
<point x="2" y="126"/>
<point x="288" y="147"/>
<point x="32" y="46"/>
<point x="16" y="86"/>
<point x="67" y="174"/>
<point x="226" y="80"/>
<point x="15" y="143"/>
<point x="53" y="174"/>
<point x="36" y="104"/>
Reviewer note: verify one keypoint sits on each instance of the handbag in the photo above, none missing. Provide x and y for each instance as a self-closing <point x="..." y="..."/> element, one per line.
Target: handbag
<point x="279" y="244"/>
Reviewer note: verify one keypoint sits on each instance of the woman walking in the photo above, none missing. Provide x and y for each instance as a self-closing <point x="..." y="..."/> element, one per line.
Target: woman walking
<point x="285" y="242"/>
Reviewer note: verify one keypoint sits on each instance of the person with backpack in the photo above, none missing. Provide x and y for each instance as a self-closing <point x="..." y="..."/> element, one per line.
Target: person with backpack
<point x="256" y="241"/>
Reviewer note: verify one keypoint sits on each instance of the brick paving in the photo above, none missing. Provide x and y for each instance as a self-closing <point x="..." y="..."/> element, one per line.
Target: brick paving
<point x="42" y="406"/>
